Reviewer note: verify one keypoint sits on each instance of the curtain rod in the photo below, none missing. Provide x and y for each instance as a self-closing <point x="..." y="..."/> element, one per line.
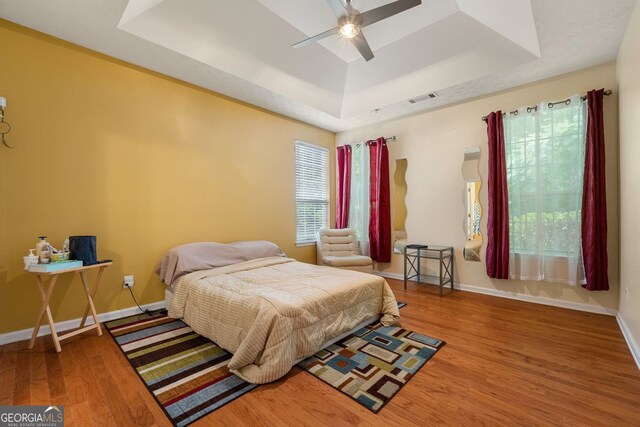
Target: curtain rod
<point x="551" y="104"/>
<point x="391" y="138"/>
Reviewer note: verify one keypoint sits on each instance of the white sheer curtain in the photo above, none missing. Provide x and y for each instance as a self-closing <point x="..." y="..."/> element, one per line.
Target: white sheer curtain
<point x="359" y="203"/>
<point x="545" y="166"/>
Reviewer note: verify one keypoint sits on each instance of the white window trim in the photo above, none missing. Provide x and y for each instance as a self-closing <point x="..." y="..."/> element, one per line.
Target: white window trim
<point x="301" y="244"/>
<point x="304" y="243"/>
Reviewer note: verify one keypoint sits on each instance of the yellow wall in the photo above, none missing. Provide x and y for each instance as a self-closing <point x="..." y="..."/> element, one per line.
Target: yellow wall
<point x="433" y="143"/>
<point x="142" y="161"/>
<point x="628" y="67"/>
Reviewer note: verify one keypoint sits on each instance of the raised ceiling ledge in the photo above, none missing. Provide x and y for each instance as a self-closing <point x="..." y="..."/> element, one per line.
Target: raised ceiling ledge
<point x="439" y="44"/>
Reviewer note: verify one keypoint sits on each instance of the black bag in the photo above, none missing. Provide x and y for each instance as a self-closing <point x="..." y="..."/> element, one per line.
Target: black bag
<point x="83" y="248"/>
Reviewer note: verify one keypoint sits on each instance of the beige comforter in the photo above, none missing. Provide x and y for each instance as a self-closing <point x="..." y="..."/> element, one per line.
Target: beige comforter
<point x="270" y="312"/>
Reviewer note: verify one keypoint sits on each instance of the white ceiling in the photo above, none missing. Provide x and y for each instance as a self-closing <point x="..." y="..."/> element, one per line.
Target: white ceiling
<point x="460" y="49"/>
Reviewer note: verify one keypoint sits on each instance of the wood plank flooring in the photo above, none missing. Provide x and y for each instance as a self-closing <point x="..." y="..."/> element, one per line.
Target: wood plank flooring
<point x="505" y="363"/>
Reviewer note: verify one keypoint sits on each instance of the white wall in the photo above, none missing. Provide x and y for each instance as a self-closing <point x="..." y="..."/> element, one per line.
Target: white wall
<point x="628" y="68"/>
<point x="433" y="143"/>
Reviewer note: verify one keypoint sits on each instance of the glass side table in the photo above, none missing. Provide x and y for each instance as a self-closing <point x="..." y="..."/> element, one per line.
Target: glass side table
<point x="415" y="253"/>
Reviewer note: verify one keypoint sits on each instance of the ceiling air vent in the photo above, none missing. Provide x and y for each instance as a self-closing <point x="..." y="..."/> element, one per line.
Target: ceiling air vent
<point x="423" y="97"/>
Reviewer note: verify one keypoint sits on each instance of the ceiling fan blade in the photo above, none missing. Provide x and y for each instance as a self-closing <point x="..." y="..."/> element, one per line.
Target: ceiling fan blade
<point x="363" y="47"/>
<point x="338" y="8"/>
<point x="317" y="37"/>
<point x="379" y="13"/>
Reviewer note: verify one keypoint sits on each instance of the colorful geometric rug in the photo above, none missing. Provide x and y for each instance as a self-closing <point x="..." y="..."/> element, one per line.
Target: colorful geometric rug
<point x="188" y="376"/>
<point x="185" y="372"/>
<point x="372" y="364"/>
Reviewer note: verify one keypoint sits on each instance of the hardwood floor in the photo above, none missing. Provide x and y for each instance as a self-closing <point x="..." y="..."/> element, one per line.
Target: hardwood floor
<point x="505" y="363"/>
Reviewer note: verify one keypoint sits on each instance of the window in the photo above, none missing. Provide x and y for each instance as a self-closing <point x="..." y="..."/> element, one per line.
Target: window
<point x="359" y="203"/>
<point x="545" y="166"/>
<point x="312" y="191"/>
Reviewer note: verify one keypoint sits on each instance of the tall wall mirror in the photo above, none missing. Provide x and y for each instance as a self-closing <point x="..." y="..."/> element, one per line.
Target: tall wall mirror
<point x="473" y="210"/>
<point x="400" y="207"/>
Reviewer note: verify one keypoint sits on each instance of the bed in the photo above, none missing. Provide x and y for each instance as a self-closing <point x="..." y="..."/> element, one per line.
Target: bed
<point x="269" y="311"/>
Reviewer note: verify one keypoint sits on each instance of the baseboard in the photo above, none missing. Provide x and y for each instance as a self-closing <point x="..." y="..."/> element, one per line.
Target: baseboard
<point x="389" y="275"/>
<point x="572" y="305"/>
<point x="631" y="342"/>
<point x="520" y="297"/>
<point x="25" y="334"/>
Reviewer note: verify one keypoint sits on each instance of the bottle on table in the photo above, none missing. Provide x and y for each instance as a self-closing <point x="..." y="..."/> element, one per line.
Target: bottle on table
<point x="42" y="250"/>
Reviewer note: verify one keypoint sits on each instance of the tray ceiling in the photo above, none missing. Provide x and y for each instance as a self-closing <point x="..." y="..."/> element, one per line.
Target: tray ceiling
<point x="242" y="48"/>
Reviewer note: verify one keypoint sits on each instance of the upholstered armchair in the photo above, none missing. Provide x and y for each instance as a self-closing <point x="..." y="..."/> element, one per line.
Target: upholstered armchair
<point x="339" y="248"/>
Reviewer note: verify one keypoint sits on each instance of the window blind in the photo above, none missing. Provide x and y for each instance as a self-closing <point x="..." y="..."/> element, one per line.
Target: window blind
<point x="312" y="191"/>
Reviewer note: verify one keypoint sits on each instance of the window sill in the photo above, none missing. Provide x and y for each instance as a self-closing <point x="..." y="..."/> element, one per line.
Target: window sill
<point x="549" y="256"/>
<point x="302" y="244"/>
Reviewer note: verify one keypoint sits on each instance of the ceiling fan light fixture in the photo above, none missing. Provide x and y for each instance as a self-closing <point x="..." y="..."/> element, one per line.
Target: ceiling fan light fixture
<point x="349" y="30"/>
<point x="351" y="22"/>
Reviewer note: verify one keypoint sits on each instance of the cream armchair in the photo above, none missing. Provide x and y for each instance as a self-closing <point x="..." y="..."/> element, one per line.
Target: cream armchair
<point x="339" y="248"/>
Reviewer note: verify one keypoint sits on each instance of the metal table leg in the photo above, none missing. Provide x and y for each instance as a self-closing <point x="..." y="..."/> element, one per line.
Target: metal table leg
<point x="453" y="269"/>
<point x="418" y="259"/>
<point x="405" y="268"/>
<point x="441" y="278"/>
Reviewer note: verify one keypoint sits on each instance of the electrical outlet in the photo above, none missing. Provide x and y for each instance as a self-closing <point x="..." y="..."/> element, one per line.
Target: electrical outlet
<point x="128" y="282"/>
<point x="626" y="295"/>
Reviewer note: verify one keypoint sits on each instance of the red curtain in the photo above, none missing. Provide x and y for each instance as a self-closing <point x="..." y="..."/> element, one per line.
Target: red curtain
<point x="379" y="199"/>
<point x="498" y="218"/>
<point x="594" y="198"/>
<point x="343" y="186"/>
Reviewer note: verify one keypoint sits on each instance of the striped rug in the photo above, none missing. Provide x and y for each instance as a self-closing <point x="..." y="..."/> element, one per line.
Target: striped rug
<point x="186" y="373"/>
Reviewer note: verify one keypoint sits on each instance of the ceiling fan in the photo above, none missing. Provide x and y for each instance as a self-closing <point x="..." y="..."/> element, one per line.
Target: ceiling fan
<point x="351" y="22"/>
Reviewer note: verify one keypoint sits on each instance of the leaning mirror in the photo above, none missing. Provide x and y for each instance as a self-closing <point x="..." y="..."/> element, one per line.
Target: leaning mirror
<point x="400" y="207"/>
<point x="473" y="210"/>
